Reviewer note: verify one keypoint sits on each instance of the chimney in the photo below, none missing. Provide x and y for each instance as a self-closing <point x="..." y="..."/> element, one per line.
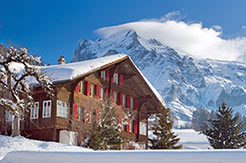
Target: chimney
<point x="61" y="60"/>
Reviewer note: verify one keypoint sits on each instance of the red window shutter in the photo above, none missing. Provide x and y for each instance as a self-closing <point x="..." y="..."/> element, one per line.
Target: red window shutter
<point x="88" y="88"/>
<point x="107" y="75"/>
<point x="98" y="91"/>
<point x="106" y="93"/>
<point x="112" y="97"/>
<point x="119" y="99"/>
<point x="135" y="106"/>
<point x="128" y="99"/>
<point x="136" y="126"/>
<point x="77" y="88"/>
<point x="121" y="82"/>
<point x="75" y="111"/>
<point x="128" y="125"/>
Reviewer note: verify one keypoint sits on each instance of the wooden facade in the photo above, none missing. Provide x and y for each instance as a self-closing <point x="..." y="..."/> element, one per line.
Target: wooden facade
<point x="69" y="117"/>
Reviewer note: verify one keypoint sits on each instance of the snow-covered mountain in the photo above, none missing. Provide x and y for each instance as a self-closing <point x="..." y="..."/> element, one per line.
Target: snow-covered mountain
<point x="185" y="82"/>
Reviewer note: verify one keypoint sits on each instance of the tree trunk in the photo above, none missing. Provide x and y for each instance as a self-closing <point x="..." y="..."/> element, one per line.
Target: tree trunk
<point x="16" y="126"/>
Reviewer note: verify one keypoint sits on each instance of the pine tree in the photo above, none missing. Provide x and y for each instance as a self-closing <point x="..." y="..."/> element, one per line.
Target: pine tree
<point x="105" y="134"/>
<point x="17" y="68"/>
<point x="164" y="137"/>
<point x="225" y="131"/>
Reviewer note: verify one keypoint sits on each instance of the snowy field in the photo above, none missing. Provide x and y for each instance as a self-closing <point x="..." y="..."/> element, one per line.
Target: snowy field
<point x="176" y="156"/>
<point x="8" y="144"/>
<point x="191" y="139"/>
<point x="196" y="150"/>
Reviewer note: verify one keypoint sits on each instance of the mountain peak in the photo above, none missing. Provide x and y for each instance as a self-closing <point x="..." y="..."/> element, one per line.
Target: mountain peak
<point x="185" y="83"/>
<point x="131" y="33"/>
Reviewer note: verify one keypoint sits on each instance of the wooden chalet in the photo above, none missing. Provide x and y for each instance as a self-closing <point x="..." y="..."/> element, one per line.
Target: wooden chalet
<point x="81" y="91"/>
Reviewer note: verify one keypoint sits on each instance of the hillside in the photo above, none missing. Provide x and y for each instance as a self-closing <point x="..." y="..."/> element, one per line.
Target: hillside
<point x="185" y="82"/>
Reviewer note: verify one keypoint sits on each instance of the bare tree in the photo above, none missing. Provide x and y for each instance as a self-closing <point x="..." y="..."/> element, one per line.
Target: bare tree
<point x="19" y="71"/>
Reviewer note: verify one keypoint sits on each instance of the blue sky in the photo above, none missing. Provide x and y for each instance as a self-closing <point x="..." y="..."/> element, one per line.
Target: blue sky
<point x="53" y="28"/>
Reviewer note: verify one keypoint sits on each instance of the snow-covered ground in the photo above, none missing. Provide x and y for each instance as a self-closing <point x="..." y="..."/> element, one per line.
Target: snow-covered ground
<point x="8" y="144"/>
<point x="191" y="139"/>
<point x="196" y="149"/>
<point x="164" y="156"/>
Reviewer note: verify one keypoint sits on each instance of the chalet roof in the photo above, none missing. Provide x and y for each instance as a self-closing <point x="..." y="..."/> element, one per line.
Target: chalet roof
<point x="71" y="71"/>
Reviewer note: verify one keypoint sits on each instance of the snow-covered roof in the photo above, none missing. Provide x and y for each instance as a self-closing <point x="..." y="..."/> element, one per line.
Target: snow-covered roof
<point x="74" y="70"/>
<point x="71" y="71"/>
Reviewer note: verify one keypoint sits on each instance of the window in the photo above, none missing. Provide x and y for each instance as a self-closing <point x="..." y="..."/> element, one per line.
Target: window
<point x="116" y="78"/>
<point x="124" y="100"/>
<point x="9" y="116"/>
<point x="143" y="128"/>
<point x="34" y="111"/>
<point x="131" y="102"/>
<point x="80" y="86"/>
<point x="84" y="85"/>
<point x="103" y="75"/>
<point x="132" y="126"/>
<point x="47" y="109"/>
<point x="63" y="109"/>
<point x="102" y="93"/>
<point x="93" y="90"/>
<point x="82" y="114"/>
<point x="115" y="97"/>
<point x="78" y="113"/>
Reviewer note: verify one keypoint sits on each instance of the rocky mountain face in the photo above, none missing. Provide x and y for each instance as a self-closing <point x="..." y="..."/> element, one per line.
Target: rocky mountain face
<point x="185" y="82"/>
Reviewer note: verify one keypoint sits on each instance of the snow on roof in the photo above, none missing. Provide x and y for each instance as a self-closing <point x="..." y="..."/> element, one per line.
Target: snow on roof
<point x="73" y="70"/>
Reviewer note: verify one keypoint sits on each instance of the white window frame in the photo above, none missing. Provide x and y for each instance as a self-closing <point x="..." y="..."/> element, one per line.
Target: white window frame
<point x="115" y="95"/>
<point x="34" y="112"/>
<point x="123" y="100"/>
<point x="131" y="103"/>
<point x="103" y="75"/>
<point x="143" y="128"/>
<point x="63" y="109"/>
<point x="92" y="90"/>
<point x="116" y="78"/>
<point x="9" y="117"/>
<point x="102" y="93"/>
<point x="47" y="109"/>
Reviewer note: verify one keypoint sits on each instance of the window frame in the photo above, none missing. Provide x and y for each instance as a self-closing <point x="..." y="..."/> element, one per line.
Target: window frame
<point x="9" y="117"/>
<point x="47" y="110"/>
<point x="103" y="74"/>
<point x="116" y="78"/>
<point x="62" y="110"/>
<point x="115" y="97"/>
<point x="131" y="102"/>
<point x="123" y="100"/>
<point x="33" y="110"/>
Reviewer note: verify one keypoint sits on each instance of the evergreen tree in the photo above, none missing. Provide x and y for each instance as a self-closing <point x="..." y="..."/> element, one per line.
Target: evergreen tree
<point x="225" y="131"/>
<point x="164" y="137"/>
<point x="105" y="133"/>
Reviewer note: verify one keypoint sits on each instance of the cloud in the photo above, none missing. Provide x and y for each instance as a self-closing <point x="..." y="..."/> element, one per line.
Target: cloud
<point x="193" y="38"/>
<point x="244" y="27"/>
<point x="217" y="28"/>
